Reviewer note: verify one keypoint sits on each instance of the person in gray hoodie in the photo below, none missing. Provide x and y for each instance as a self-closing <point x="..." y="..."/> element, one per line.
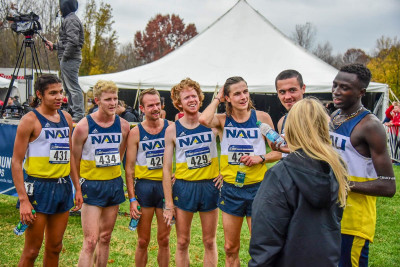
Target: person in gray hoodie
<point x="298" y="207"/>
<point x="69" y="45"/>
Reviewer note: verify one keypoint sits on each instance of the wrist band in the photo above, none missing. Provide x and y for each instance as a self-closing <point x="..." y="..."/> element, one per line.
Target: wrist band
<point x="386" y="178"/>
<point x="132" y="199"/>
<point x="219" y="100"/>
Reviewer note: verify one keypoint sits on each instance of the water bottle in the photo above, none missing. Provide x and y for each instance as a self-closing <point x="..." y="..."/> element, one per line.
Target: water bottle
<point x="21" y="227"/>
<point x="173" y="221"/>
<point x="272" y="136"/>
<point x="134" y="222"/>
<point x="240" y="175"/>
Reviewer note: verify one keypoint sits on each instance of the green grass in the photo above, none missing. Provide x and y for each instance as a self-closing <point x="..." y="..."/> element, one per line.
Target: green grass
<point x="383" y="252"/>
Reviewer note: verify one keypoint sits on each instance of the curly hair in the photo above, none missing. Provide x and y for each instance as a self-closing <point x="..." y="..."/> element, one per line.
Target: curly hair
<point x="185" y="84"/>
<point x="362" y="72"/>
<point x="104" y="86"/>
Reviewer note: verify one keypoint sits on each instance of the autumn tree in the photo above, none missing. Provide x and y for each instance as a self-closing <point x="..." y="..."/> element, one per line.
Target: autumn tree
<point x="354" y="55"/>
<point x="304" y="35"/>
<point x="99" y="51"/>
<point x="385" y="63"/>
<point x="162" y="35"/>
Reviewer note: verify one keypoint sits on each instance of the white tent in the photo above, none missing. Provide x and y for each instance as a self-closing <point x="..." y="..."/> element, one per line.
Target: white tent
<point x="240" y="43"/>
<point x="4" y="83"/>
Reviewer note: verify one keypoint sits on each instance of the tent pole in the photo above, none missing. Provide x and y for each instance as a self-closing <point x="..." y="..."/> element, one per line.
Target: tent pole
<point x="137" y="96"/>
<point x="394" y="96"/>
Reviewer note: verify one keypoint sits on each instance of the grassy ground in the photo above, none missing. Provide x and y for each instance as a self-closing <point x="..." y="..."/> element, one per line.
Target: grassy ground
<point x="384" y="251"/>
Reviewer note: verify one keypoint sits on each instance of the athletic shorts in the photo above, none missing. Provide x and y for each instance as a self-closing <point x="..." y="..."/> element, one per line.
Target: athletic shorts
<point x="237" y="201"/>
<point x="354" y="251"/>
<point x="195" y="196"/>
<point x="149" y="193"/>
<point x="49" y="195"/>
<point x="103" y="193"/>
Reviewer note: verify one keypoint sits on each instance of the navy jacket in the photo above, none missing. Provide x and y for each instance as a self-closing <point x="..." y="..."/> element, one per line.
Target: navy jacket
<point x="296" y="216"/>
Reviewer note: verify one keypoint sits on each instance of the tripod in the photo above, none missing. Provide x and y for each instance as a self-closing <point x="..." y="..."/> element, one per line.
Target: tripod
<point x="28" y="42"/>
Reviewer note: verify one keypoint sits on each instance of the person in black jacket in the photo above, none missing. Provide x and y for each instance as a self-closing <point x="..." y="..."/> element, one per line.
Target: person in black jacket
<point x="298" y="207"/>
<point x="124" y="113"/>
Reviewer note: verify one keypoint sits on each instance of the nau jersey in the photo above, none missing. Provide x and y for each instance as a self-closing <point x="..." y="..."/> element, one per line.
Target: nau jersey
<point x="48" y="155"/>
<point x="100" y="154"/>
<point x="240" y="139"/>
<point x="196" y="153"/>
<point x="150" y="154"/>
<point x="359" y="216"/>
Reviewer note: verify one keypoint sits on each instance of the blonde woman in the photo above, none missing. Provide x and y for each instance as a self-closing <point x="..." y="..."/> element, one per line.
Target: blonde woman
<point x="298" y="208"/>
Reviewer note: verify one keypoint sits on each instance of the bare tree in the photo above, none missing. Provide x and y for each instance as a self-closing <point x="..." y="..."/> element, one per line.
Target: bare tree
<point x="304" y="35"/>
<point x="354" y="55"/>
<point x="324" y="52"/>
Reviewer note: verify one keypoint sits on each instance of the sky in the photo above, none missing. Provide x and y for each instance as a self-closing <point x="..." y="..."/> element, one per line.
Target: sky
<point x="344" y="23"/>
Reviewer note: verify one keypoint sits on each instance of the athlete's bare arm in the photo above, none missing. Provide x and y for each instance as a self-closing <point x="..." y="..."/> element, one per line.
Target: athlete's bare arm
<point x="125" y="128"/>
<point x="170" y="136"/>
<point x="208" y="117"/>
<point x="131" y="153"/>
<point x="28" y="130"/>
<point x="74" y="175"/>
<point x="79" y="137"/>
<point x="369" y="139"/>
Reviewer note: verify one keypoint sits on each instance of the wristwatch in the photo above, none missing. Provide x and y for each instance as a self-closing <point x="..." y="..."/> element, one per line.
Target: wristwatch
<point x="263" y="159"/>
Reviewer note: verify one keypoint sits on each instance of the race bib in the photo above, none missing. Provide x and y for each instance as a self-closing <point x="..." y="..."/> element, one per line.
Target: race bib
<point x="59" y="153"/>
<point x="29" y="188"/>
<point x="155" y="159"/>
<point x="198" y="158"/>
<point x="106" y="157"/>
<point x="235" y="152"/>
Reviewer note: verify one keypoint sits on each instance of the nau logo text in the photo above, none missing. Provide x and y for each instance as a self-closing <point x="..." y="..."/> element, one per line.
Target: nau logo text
<point x="153" y="145"/>
<point x="198" y="139"/>
<point x="338" y="142"/>
<point x="56" y="133"/>
<point x="247" y="134"/>
<point x="112" y="138"/>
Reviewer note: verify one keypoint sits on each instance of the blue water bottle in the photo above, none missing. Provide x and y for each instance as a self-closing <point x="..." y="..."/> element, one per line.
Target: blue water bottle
<point x="134" y="222"/>
<point x="268" y="132"/>
<point x="21" y="227"/>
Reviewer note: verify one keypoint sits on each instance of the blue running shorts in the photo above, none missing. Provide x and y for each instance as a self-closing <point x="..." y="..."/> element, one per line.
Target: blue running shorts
<point x="149" y="193"/>
<point x="49" y="195"/>
<point x="103" y="193"/>
<point x="195" y="196"/>
<point x="237" y="201"/>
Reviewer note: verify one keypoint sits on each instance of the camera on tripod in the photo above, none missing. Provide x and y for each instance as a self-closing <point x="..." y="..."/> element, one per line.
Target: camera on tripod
<point x="27" y="24"/>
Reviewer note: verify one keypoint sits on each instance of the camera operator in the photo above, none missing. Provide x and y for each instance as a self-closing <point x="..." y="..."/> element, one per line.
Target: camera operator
<point x="69" y="47"/>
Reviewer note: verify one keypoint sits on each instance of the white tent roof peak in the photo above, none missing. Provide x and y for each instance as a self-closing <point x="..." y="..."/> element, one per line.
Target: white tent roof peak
<point x="241" y="42"/>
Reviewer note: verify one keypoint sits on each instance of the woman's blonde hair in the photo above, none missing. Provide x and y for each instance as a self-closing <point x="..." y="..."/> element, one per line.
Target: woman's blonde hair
<point x="307" y="128"/>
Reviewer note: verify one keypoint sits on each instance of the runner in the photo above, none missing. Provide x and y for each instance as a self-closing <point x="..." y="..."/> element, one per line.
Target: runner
<point x="197" y="175"/>
<point x="360" y="139"/>
<point x="241" y="142"/>
<point x="43" y="138"/>
<point x="99" y="143"/>
<point x="144" y="160"/>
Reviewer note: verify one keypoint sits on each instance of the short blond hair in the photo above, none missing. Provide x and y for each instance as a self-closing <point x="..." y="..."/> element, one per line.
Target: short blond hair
<point x="103" y="86"/>
<point x="185" y="84"/>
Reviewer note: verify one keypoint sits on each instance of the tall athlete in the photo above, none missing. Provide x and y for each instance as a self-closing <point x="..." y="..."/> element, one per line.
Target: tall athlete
<point x="196" y="185"/>
<point x="144" y="161"/>
<point x="98" y="145"/>
<point x="361" y="141"/>
<point x="241" y="141"/>
<point x="43" y="138"/>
